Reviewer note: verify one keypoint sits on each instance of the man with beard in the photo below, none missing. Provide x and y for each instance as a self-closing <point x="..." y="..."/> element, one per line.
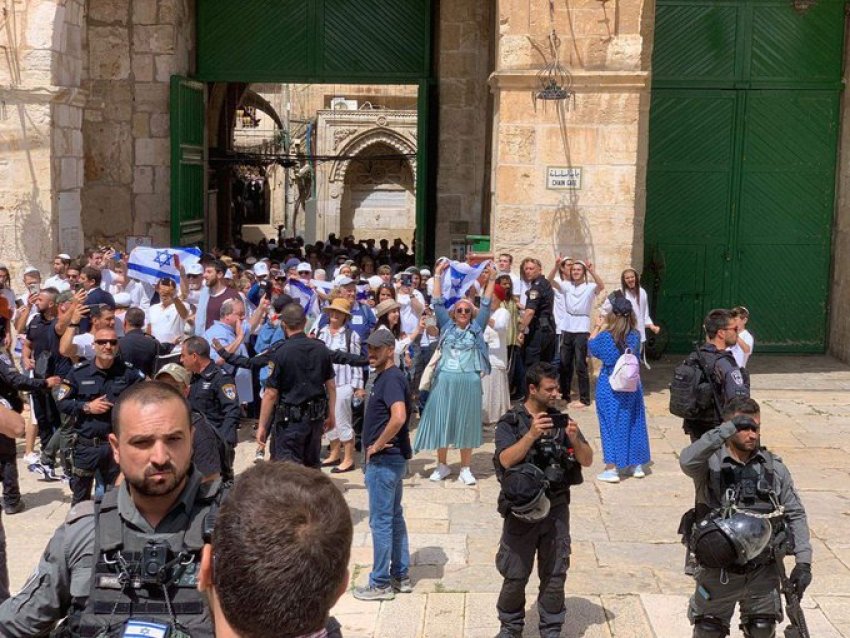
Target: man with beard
<point x="87" y="395"/>
<point x="143" y="541"/>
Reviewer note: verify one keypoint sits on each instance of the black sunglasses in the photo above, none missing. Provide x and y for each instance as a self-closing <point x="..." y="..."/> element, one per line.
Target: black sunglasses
<point x="464" y="311"/>
<point x="103" y="342"/>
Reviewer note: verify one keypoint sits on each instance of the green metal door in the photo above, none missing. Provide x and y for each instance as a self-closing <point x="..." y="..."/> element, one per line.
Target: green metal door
<point x="741" y="175"/>
<point x="188" y="161"/>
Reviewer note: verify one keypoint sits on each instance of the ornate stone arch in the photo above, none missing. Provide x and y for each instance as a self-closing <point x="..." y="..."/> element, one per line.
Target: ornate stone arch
<point x="368" y="138"/>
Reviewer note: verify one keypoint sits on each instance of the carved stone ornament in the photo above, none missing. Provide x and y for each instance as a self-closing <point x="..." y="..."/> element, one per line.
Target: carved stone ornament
<point x="341" y="134"/>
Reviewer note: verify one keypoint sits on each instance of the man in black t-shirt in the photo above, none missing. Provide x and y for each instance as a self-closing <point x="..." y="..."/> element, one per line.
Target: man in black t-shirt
<point x="386" y="439"/>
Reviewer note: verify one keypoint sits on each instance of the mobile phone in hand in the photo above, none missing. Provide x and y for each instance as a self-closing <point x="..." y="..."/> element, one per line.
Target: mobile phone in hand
<point x="560" y="421"/>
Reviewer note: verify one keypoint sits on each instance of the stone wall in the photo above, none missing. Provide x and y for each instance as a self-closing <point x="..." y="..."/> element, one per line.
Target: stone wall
<point x="601" y="129"/>
<point x="839" y="307"/>
<point x="463" y="66"/>
<point x="133" y="50"/>
<point x="40" y="154"/>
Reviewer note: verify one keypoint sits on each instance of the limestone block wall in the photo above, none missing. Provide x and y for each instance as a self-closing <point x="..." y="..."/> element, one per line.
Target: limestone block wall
<point x="463" y="66"/>
<point x="601" y="130"/>
<point x="133" y="49"/>
<point x="40" y="155"/>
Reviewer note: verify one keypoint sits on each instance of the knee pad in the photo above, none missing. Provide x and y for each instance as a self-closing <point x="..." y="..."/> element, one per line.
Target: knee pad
<point x="709" y="627"/>
<point x="552" y="595"/>
<point x="759" y="627"/>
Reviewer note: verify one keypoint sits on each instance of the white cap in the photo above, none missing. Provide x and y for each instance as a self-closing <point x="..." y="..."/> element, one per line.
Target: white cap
<point x="123" y="299"/>
<point x="261" y="269"/>
<point x="342" y="280"/>
<point x="251" y="261"/>
<point x="30" y="269"/>
<point x="194" y="269"/>
<point x="64" y="256"/>
<point x="305" y="267"/>
<point x="375" y="281"/>
<point x="425" y="272"/>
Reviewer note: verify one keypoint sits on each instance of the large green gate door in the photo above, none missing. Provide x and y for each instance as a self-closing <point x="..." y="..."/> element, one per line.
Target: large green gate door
<point x="741" y="178"/>
<point x="188" y="161"/>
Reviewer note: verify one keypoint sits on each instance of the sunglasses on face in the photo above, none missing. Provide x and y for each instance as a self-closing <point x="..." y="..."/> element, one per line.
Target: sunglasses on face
<point x="464" y="311"/>
<point x="105" y="342"/>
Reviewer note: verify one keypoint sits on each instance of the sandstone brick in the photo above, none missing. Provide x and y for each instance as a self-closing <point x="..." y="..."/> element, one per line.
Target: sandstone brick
<point x="39" y="14"/>
<point x="106" y="211"/>
<point x="151" y="97"/>
<point x="152" y="151"/>
<point x="516" y="144"/>
<point x="67" y="174"/>
<point x="457" y="64"/>
<point x="109" y="152"/>
<point x="160" y="125"/>
<point x="169" y="11"/>
<point x="141" y="125"/>
<point x="109" y="53"/>
<point x="143" y="179"/>
<point x="143" y="68"/>
<point x="166" y="66"/>
<point x="570" y="146"/>
<point x="517" y="184"/>
<point x="109" y="11"/>
<point x="153" y="39"/>
<point x="162" y="178"/>
<point x="618" y="144"/>
<point x="144" y="11"/>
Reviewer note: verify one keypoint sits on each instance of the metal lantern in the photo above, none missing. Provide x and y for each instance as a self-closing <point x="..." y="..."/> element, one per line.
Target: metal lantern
<point x="554" y="80"/>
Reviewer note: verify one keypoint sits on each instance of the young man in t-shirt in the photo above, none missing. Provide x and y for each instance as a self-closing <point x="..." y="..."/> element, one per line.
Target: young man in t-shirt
<point x="167" y="318"/>
<point x="386" y="438"/>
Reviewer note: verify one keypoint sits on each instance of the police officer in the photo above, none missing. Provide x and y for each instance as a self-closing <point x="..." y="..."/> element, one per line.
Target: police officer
<point x="11" y="381"/>
<point x="300" y="394"/>
<point x="747" y="512"/>
<point x="87" y="395"/>
<point x="143" y="541"/>
<point x="213" y="393"/>
<point x="536" y="463"/>
<point x="11" y="426"/>
<point x="136" y="346"/>
<point x="537" y="323"/>
<point x="728" y="380"/>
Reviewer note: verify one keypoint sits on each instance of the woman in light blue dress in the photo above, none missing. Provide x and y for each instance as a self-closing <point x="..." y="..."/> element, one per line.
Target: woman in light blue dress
<point x="452" y="415"/>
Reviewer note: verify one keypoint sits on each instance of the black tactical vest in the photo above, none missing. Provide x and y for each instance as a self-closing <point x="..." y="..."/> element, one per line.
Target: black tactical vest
<point x="117" y="593"/>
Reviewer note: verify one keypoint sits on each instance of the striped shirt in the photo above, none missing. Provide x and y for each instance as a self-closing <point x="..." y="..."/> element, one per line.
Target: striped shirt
<point x="344" y="374"/>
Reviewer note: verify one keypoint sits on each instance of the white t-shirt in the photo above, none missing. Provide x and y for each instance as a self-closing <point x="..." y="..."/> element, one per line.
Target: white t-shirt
<point x="559" y="310"/>
<point x="495" y="337"/>
<point x="166" y="323"/>
<point x="407" y="315"/>
<point x="742" y="357"/>
<point x="578" y="301"/>
<point x="57" y="282"/>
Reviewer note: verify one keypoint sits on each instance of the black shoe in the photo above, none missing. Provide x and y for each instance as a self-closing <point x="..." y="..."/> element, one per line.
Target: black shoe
<point x="17" y="508"/>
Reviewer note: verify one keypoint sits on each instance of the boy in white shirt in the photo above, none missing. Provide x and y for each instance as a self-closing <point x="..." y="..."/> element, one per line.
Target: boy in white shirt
<point x="744" y="348"/>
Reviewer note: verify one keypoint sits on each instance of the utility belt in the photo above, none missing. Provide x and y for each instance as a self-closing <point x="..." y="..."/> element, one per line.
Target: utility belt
<point x="312" y="410"/>
<point x="79" y="439"/>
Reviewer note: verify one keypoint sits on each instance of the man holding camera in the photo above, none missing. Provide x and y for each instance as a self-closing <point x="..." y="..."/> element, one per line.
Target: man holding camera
<point x="747" y="517"/>
<point x="129" y="567"/>
<point x="539" y="454"/>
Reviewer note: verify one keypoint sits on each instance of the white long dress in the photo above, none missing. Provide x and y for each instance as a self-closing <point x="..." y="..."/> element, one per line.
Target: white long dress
<point x="495" y="396"/>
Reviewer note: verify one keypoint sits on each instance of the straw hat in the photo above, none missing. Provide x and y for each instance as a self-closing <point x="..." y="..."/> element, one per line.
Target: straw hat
<point x="341" y="305"/>
<point x="385" y="306"/>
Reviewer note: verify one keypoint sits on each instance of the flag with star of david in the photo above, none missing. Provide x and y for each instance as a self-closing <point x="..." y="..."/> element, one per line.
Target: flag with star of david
<point x="153" y="264"/>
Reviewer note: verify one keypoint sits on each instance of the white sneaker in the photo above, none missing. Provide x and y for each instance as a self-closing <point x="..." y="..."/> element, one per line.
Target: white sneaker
<point x="466" y="477"/>
<point x="441" y="472"/>
<point x="31" y="458"/>
<point x="638" y="472"/>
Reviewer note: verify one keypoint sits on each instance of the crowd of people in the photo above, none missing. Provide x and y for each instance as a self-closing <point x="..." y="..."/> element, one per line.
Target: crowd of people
<point x="148" y="384"/>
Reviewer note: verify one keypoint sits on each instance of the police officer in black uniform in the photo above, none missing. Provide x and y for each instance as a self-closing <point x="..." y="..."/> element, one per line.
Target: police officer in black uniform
<point x="11" y="381"/>
<point x="537" y="323"/>
<point x="87" y="395"/>
<point x="728" y="380"/>
<point x="536" y="463"/>
<point x="748" y="517"/>
<point x="213" y="394"/>
<point x="129" y="567"/>
<point x="300" y="394"/>
<point x="136" y="346"/>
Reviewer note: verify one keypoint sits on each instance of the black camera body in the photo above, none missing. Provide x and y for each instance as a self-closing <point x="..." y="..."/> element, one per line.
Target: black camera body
<point x="558" y="463"/>
<point x="406" y="279"/>
<point x="154" y="563"/>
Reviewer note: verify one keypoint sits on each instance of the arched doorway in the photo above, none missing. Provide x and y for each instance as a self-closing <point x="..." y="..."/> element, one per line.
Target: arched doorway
<point x="379" y="197"/>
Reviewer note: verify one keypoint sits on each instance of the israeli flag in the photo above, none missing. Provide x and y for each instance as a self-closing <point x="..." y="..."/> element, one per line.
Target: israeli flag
<point x="304" y="295"/>
<point x="363" y="291"/>
<point x="152" y="264"/>
<point x="324" y="286"/>
<point x="458" y="278"/>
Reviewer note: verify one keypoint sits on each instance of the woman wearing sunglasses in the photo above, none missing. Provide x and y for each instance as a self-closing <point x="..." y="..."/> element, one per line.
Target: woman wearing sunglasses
<point x="452" y="415"/>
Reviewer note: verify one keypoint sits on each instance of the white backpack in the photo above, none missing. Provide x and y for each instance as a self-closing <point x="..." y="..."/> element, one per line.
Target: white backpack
<point x="626" y="374"/>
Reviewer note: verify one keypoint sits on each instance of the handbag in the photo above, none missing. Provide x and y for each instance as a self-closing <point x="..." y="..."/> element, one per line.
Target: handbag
<point x="430" y="371"/>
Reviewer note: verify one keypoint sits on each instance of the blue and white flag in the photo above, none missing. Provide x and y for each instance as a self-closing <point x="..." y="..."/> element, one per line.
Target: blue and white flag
<point x="304" y="295"/>
<point x="325" y="286"/>
<point x="152" y="264"/>
<point x="458" y="278"/>
<point x="363" y="291"/>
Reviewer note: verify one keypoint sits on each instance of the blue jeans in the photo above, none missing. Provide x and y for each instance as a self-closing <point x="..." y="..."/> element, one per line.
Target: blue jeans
<point x="391" y="555"/>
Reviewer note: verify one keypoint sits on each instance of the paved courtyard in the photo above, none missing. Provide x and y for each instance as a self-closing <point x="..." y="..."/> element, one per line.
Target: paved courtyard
<point x="626" y="578"/>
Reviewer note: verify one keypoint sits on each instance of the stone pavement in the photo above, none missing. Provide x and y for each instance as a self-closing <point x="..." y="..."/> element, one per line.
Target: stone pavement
<point x="626" y="578"/>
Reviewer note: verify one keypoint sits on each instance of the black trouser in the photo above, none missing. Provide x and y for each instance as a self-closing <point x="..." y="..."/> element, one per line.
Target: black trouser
<point x="539" y="345"/>
<point x="9" y="472"/>
<point x="574" y="357"/>
<point x="47" y="415"/>
<point x="297" y="441"/>
<point x="4" y="568"/>
<point x="88" y="460"/>
<point x="516" y="372"/>
<point x="550" y="540"/>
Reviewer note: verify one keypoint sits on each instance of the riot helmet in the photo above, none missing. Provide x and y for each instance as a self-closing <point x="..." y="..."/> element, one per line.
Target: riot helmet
<point x="723" y="542"/>
<point x="524" y="489"/>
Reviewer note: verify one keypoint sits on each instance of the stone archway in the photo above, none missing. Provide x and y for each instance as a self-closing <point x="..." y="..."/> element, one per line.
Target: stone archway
<point x="378" y="198"/>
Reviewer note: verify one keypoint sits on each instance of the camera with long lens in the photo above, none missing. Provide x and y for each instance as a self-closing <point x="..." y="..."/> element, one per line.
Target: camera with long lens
<point x="154" y="563"/>
<point x="558" y="463"/>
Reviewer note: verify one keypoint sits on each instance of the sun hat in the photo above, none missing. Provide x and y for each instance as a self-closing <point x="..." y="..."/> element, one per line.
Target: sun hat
<point x="385" y="306"/>
<point x="340" y="305"/>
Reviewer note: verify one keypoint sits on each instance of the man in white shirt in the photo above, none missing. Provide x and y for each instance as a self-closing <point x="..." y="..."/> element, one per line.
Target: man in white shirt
<point x="744" y="347"/>
<point x="506" y="264"/>
<point x="579" y="297"/>
<point x="412" y="303"/>
<point x="59" y="280"/>
<point x="167" y="319"/>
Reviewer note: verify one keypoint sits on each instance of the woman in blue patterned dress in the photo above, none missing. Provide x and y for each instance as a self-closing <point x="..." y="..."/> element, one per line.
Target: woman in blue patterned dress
<point x="452" y="415"/>
<point x="622" y="416"/>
